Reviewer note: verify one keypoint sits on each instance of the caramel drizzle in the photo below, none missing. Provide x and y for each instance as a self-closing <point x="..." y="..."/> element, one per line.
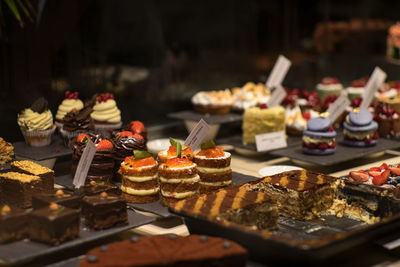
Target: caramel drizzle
<point x="267" y="179"/>
<point x="199" y="203"/>
<point x="303" y="178"/>
<point x="217" y="203"/>
<point x="238" y="198"/>
<point x="260" y="197"/>
<point x="320" y="178"/>
<point x="179" y="205"/>
<point x="284" y="181"/>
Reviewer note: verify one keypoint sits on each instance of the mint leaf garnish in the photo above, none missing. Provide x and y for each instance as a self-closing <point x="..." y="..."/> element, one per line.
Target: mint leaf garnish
<point x="208" y="144"/>
<point x="141" y="154"/>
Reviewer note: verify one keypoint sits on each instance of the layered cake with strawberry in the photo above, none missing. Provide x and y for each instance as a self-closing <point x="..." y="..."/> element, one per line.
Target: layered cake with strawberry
<point x="70" y="102"/>
<point x="125" y="143"/>
<point x="356" y="88"/>
<point x="101" y="168"/>
<point x="388" y="120"/>
<point x="360" y="129"/>
<point x="137" y="127"/>
<point x="106" y="114"/>
<point x="186" y="152"/>
<point x="139" y="178"/>
<point x="329" y="86"/>
<point x="178" y="180"/>
<point x="213" y="167"/>
<point x="319" y="138"/>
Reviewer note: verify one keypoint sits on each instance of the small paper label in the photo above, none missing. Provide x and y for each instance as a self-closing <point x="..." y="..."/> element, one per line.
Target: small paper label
<point x="277" y="96"/>
<point x="373" y="84"/>
<point x="84" y="164"/>
<point x="270" y="141"/>
<point x="338" y="107"/>
<point x="278" y="72"/>
<point x="197" y="135"/>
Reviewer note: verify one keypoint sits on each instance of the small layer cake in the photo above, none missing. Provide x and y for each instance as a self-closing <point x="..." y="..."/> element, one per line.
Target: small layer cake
<point x="300" y="194"/>
<point x="165" y="155"/>
<point x="320" y="137"/>
<point x="29" y="167"/>
<point x="359" y="128"/>
<point x="178" y="179"/>
<point x="139" y="180"/>
<point x="214" y="168"/>
<point x="17" y="188"/>
<point x="54" y="224"/>
<point x="13" y="223"/>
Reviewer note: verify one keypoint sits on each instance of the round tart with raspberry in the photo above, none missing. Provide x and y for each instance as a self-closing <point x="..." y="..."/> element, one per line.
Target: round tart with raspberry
<point x="319" y="138"/>
<point x="139" y="178"/>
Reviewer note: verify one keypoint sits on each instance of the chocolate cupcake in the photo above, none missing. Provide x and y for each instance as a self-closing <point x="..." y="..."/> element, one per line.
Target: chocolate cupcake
<point x="76" y="122"/>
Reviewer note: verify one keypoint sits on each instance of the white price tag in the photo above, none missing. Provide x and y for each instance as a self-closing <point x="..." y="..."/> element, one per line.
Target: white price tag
<point x="270" y="141"/>
<point x="377" y="78"/>
<point x="84" y="164"/>
<point x="338" y="107"/>
<point x="277" y="96"/>
<point x="197" y="135"/>
<point x="278" y="72"/>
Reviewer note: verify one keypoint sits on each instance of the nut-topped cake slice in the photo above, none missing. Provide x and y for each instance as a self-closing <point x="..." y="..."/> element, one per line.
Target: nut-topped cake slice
<point x="29" y="167"/>
<point x="300" y="194"/>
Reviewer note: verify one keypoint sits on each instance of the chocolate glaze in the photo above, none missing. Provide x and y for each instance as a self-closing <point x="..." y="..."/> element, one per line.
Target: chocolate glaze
<point x="13" y="225"/>
<point x="78" y="120"/>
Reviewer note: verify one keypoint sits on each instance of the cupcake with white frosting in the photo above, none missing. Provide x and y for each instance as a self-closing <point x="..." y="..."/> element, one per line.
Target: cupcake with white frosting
<point x="106" y="114"/>
<point x="70" y="102"/>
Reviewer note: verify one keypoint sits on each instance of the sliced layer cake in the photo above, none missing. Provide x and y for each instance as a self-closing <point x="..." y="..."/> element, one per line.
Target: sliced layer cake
<point x="140" y="179"/>
<point x="178" y="179"/>
<point x="300" y="194"/>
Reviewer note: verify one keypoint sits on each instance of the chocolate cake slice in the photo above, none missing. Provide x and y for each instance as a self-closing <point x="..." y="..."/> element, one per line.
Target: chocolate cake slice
<point x="13" y="224"/>
<point x="104" y="211"/>
<point x="300" y="194"/>
<point x="60" y="197"/>
<point x="95" y="188"/>
<point x="16" y="189"/>
<point x="233" y="204"/>
<point x="29" y="167"/>
<point x="54" y="224"/>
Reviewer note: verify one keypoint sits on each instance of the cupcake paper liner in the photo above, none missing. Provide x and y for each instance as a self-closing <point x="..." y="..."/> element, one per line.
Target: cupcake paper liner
<point x="39" y="138"/>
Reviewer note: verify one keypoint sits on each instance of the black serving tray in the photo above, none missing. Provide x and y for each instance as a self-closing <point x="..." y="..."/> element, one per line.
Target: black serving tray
<point x="343" y="153"/>
<point x="55" y="150"/>
<point x="154" y="207"/>
<point x="24" y="251"/>
<point x="191" y="115"/>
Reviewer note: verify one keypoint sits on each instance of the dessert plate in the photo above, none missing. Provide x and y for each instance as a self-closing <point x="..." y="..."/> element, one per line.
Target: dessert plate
<point x="271" y="170"/>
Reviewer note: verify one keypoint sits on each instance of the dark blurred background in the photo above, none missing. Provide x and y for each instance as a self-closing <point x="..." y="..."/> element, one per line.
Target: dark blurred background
<point x="154" y="55"/>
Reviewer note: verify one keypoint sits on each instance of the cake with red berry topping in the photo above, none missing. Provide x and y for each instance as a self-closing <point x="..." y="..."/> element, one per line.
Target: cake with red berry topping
<point x="137" y="127"/>
<point x="357" y="88"/>
<point x="106" y="114"/>
<point x="139" y="178"/>
<point x="186" y="152"/>
<point x="329" y="86"/>
<point x="213" y="167"/>
<point x="101" y="168"/>
<point x="388" y="120"/>
<point x="125" y="143"/>
<point x="178" y="180"/>
<point x="69" y="103"/>
<point x="319" y="138"/>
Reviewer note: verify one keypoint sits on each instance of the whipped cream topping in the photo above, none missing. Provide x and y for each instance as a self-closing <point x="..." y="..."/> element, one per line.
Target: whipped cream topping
<point x="140" y="179"/>
<point x="328" y="87"/>
<point x="66" y="106"/>
<point x="33" y="121"/>
<point x="188" y="180"/>
<point x="142" y="192"/>
<point x="250" y="95"/>
<point x="295" y="119"/>
<point x="221" y="183"/>
<point x="178" y="195"/>
<point x="213" y="98"/>
<point x="226" y="155"/>
<point x="213" y="170"/>
<point x="106" y="112"/>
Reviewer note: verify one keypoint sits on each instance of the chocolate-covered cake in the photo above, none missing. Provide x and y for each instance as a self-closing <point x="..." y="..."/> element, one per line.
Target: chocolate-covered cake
<point x="168" y="250"/>
<point x="101" y="168"/>
<point x="60" y="197"/>
<point x="17" y="188"/>
<point x="300" y="194"/>
<point x="54" y="224"/>
<point x="104" y="211"/>
<point x="95" y="188"/>
<point x="29" y="167"/>
<point x="76" y="122"/>
<point x="13" y="223"/>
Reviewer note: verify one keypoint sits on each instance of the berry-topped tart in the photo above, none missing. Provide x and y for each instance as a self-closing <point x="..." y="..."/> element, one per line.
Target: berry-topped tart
<point x="140" y="178"/>
<point x="171" y="153"/>
<point x="319" y="138"/>
<point x="178" y="178"/>
<point x="384" y="176"/>
<point x="106" y="114"/>
<point x="329" y="86"/>
<point x="101" y="168"/>
<point x="70" y="102"/>
<point x="388" y="120"/>
<point x="360" y="129"/>
<point x="125" y="143"/>
<point x="213" y="167"/>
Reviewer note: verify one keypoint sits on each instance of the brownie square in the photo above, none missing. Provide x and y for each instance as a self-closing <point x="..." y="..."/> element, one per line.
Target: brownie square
<point x="17" y="188"/>
<point x="29" y="167"/>
<point x="60" y="197"/>
<point x="104" y="211"/>
<point x="95" y="188"/>
<point x="13" y="223"/>
<point x="54" y="224"/>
